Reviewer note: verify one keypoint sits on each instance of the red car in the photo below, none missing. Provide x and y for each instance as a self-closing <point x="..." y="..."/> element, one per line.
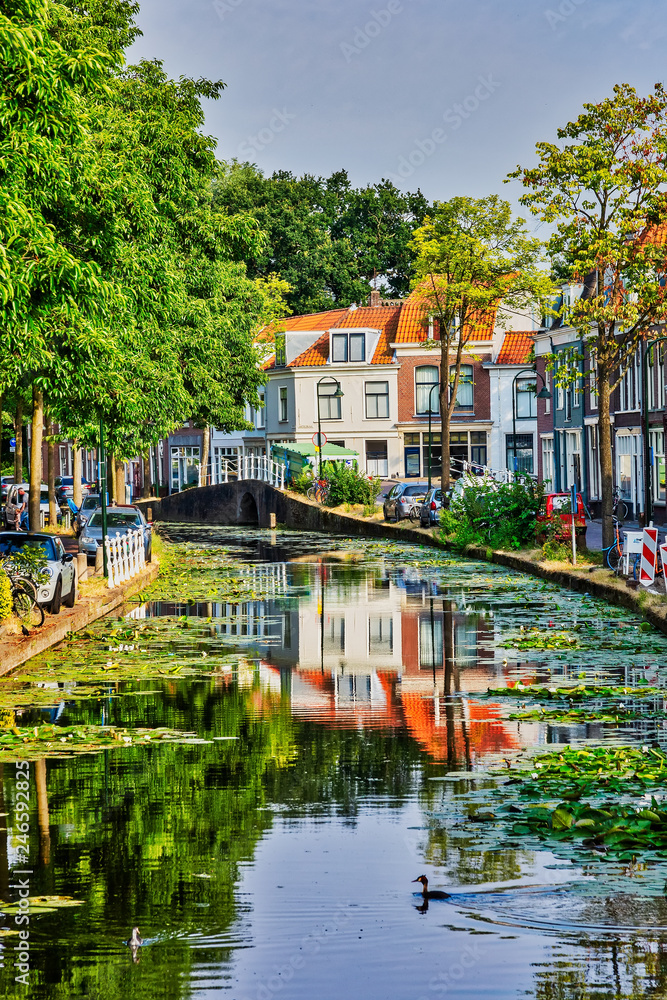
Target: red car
<point x="557" y="506"/>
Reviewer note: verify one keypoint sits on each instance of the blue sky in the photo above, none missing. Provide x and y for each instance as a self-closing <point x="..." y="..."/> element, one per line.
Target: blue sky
<point x="441" y="95"/>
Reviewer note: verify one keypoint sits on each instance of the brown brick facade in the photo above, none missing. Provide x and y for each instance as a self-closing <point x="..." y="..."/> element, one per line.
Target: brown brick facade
<point x="406" y="387"/>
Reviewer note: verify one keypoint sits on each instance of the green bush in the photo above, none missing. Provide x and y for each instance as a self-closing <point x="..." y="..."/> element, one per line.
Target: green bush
<point x="502" y="515"/>
<point x="303" y="482"/>
<point x="348" y="485"/>
<point x="5" y="596"/>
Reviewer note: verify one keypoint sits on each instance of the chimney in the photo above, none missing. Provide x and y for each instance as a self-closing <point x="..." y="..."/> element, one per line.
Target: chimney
<point x="375" y="297"/>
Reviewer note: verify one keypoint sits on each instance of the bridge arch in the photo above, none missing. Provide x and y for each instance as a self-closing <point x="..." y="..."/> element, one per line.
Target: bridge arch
<point x="248" y="512"/>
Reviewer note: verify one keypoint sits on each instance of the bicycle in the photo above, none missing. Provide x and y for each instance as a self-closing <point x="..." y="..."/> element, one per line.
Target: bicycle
<point x="25" y="605"/>
<point x="619" y="508"/>
<point x="319" y="491"/>
<point x="613" y="555"/>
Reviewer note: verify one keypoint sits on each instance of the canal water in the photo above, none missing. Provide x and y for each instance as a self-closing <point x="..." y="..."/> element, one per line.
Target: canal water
<point x="337" y="730"/>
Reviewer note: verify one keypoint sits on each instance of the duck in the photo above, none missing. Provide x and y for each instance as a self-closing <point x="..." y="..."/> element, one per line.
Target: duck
<point x="431" y="893"/>
<point x="136" y="940"/>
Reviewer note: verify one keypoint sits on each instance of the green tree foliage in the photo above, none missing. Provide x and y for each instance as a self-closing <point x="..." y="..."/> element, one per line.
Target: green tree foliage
<point x="602" y="187"/>
<point x="471" y="254"/>
<point x="5" y="596"/>
<point x="327" y="239"/>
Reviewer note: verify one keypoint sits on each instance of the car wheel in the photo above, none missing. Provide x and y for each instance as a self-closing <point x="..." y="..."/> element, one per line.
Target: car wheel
<point x="56" y="601"/>
<point x="70" y="600"/>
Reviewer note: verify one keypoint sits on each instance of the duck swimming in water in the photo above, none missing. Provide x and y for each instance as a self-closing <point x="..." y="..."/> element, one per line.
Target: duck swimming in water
<point x="136" y="940"/>
<point x="431" y="893"/>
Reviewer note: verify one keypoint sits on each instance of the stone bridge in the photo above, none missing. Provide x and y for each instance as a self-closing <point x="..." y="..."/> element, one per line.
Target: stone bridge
<point x="253" y="502"/>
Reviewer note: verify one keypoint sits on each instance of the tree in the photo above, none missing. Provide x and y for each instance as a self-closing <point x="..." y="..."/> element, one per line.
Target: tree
<point x="470" y="256"/>
<point x="329" y="241"/>
<point x="604" y="187"/>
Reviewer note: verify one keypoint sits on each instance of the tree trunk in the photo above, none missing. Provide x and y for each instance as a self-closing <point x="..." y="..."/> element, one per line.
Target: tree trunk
<point x="119" y="481"/>
<point x="146" y="491"/>
<point x="203" y="469"/>
<point x="18" y="434"/>
<point x="51" y="476"/>
<point x="43" y="812"/>
<point x="77" y="473"/>
<point x="606" y="468"/>
<point x="36" y="458"/>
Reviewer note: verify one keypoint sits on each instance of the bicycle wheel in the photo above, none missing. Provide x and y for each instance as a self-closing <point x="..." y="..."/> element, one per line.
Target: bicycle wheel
<point x="26" y="608"/>
<point x="415" y="513"/>
<point x="622" y="512"/>
<point x="311" y="493"/>
<point x="614" y="557"/>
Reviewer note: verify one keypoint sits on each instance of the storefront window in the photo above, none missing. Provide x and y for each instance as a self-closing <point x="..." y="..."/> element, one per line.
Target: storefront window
<point x="184" y="467"/>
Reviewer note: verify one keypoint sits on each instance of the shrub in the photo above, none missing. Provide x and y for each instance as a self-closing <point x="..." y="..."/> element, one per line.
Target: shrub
<point x="502" y="515"/>
<point x="348" y="485"/>
<point x="303" y="482"/>
<point x="5" y="596"/>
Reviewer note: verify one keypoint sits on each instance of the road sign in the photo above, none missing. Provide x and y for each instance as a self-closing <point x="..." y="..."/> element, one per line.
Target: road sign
<point x="647" y="564"/>
<point x="12" y="442"/>
<point x="316" y="439"/>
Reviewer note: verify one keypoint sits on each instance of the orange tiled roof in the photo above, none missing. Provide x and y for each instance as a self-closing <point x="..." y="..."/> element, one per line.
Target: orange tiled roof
<point x="516" y="349"/>
<point x="309" y="321"/>
<point x="316" y="354"/>
<point x="413" y="325"/>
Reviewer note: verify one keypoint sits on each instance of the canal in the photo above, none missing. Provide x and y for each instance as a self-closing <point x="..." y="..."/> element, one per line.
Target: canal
<point x="337" y="740"/>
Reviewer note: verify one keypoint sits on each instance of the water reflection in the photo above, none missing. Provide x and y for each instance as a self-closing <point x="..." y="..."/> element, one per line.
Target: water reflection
<point x="276" y="859"/>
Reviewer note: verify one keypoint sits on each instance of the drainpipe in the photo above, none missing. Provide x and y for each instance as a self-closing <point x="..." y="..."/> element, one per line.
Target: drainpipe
<point x="584" y="437"/>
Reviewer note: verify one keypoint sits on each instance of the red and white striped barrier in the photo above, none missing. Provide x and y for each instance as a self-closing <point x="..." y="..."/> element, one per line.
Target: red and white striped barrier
<point x="649" y="549"/>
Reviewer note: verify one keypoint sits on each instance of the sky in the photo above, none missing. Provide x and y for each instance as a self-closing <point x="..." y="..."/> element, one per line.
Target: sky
<point x="439" y="95"/>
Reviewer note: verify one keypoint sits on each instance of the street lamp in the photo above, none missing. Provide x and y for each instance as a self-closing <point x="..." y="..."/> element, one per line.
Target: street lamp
<point x="337" y="394"/>
<point x="436" y="385"/>
<point x="542" y="394"/>
<point x="648" y="468"/>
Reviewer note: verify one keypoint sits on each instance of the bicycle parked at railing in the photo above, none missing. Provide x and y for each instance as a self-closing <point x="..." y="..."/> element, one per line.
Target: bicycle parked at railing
<point x="318" y="491"/>
<point x="24" y="597"/>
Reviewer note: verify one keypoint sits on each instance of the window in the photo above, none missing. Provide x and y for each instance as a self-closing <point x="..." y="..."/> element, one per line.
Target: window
<point x="430" y="642"/>
<point x="435" y="457"/>
<point x="593" y="381"/>
<point x="377" y="399"/>
<point x="376" y="459"/>
<point x="657" y="439"/>
<point x="526" y="398"/>
<point x="478" y="447"/>
<point x="593" y="462"/>
<point x="339" y="444"/>
<point x="548" y="469"/>
<point x="339" y="347"/>
<point x="329" y="404"/>
<point x="458" y="448"/>
<point x="259" y="414"/>
<point x="381" y="634"/>
<point x="548" y="385"/>
<point x="281" y="357"/>
<point x="656" y="378"/>
<point x="184" y="467"/>
<point x="334" y="634"/>
<point x="426" y="376"/>
<point x="282" y="404"/>
<point x="464" y="393"/>
<point x="357" y="347"/>
<point x="624" y="455"/>
<point x="348" y="347"/>
<point x="520" y="452"/>
<point x="628" y="388"/>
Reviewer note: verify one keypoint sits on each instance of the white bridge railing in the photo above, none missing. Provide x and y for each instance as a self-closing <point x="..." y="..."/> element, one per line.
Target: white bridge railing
<point x="251" y="467"/>
<point x="126" y="556"/>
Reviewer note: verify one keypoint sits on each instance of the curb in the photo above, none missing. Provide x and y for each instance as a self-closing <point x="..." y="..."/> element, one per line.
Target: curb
<point x="16" y="650"/>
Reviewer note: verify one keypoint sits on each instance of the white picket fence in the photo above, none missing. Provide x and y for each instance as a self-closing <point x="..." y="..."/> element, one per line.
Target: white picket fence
<point x="126" y="556"/>
<point x="251" y="467"/>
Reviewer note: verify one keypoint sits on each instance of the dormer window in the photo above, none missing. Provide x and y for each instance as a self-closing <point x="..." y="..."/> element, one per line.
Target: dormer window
<point x="281" y="358"/>
<point x="348" y="347"/>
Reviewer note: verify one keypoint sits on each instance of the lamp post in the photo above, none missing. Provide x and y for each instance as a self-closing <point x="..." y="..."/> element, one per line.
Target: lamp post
<point x="648" y="468"/>
<point x="542" y="394"/>
<point x="337" y="394"/>
<point x="103" y="496"/>
<point x="436" y="385"/>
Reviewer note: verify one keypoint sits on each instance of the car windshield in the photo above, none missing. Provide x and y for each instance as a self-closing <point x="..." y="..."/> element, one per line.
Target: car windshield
<point x="414" y="491"/>
<point x="560" y="503"/>
<point x="90" y="503"/>
<point x="10" y="545"/>
<point x="115" y="519"/>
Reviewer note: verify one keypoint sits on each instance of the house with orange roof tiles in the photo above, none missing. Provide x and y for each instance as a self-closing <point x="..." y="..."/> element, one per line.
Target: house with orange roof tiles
<point x="513" y="402"/>
<point x="341" y="366"/>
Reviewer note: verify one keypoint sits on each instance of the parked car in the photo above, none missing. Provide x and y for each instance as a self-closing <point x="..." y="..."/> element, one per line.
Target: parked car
<point x="401" y="498"/>
<point x="120" y="520"/>
<point x="43" y="503"/>
<point x="429" y="510"/>
<point x="5" y="483"/>
<point x="65" y="487"/>
<point x="557" y="507"/>
<point x="89" y="503"/>
<point x="60" y="588"/>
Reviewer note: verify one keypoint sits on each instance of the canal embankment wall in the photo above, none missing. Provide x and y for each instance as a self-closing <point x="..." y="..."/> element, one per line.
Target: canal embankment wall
<point x="18" y="649"/>
<point x="230" y="504"/>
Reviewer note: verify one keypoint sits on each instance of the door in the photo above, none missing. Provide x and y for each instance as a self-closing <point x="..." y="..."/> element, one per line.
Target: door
<point x="412" y="462"/>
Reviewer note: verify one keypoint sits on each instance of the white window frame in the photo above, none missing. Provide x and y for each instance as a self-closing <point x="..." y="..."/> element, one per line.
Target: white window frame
<point x="371" y="395"/>
<point x="283" y="404"/>
<point x="548" y="459"/>
<point x="434" y="401"/>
